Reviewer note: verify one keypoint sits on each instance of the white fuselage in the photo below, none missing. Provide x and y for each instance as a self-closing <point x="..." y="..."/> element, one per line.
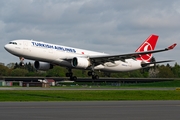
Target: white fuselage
<point x="60" y="55"/>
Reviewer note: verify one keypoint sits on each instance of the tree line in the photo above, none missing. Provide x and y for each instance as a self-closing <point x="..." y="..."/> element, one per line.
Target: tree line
<point x="159" y="71"/>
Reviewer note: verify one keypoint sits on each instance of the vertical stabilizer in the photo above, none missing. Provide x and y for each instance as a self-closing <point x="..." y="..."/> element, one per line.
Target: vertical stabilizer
<point x="148" y="45"/>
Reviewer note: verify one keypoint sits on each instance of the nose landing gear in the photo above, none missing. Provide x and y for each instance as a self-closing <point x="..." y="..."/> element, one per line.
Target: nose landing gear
<point x="21" y="61"/>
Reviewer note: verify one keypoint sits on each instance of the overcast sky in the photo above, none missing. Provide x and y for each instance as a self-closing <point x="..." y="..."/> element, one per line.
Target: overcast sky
<point x="110" y="26"/>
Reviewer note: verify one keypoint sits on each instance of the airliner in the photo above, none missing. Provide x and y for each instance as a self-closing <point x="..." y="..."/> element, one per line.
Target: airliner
<point x="47" y="55"/>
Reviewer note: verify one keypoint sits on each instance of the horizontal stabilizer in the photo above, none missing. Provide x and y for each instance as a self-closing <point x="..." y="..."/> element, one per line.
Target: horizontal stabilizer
<point x="172" y="46"/>
<point x="146" y="64"/>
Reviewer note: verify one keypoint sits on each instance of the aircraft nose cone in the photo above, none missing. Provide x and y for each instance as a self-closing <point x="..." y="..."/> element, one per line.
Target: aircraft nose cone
<point x="6" y="47"/>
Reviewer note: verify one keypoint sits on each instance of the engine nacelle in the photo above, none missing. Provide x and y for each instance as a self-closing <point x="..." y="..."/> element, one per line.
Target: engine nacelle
<point x="80" y="62"/>
<point x="42" y="65"/>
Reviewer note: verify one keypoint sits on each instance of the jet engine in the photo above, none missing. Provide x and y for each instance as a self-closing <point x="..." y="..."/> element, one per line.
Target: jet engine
<point x="42" y="65"/>
<point x="80" y="62"/>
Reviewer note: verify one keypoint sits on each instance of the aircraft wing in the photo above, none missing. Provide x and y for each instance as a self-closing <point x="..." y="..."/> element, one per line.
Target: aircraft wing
<point x="111" y="58"/>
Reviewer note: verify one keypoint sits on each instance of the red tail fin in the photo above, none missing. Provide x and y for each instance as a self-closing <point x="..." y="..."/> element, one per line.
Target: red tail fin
<point x="148" y="45"/>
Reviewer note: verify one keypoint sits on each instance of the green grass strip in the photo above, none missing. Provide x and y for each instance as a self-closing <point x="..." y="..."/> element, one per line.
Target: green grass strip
<point x="107" y="95"/>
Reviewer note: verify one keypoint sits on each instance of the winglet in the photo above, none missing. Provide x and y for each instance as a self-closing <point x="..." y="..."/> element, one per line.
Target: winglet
<point x="172" y="46"/>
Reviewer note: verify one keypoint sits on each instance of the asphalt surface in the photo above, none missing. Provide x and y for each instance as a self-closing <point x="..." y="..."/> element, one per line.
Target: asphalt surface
<point x="101" y="110"/>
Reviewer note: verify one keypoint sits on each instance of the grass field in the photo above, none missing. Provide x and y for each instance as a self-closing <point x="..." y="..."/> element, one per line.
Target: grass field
<point x="96" y="95"/>
<point x="85" y="95"/>
<point x="175" y="83"/>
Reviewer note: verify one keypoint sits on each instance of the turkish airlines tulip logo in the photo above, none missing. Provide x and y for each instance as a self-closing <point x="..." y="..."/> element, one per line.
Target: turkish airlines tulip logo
<point x="146" y="47"/>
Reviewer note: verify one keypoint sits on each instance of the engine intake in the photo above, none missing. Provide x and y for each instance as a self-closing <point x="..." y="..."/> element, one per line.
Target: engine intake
<point x="42" y="65"/>
<point x="80" y="62"/>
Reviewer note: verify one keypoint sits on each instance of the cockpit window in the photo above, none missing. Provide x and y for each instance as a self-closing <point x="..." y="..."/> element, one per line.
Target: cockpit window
<point x="14" y="43"/>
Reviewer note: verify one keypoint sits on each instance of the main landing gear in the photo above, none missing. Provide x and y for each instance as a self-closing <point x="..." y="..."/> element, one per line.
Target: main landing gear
<point x="94" y="76"/>
<point x="70" y="75"/>
<point x="90" y="73"/>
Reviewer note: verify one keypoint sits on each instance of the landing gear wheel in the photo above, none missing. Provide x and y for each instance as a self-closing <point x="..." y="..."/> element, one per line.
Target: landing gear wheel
<point x="21" y="63"/>
<point x="73" y="78"/>
<point x="91" y="73"/>
<point x="95" y="77"/>
<point x="69" y="74"/>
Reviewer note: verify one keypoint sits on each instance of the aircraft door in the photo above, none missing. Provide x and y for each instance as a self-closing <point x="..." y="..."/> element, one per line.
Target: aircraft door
<point x="26" y="46"/>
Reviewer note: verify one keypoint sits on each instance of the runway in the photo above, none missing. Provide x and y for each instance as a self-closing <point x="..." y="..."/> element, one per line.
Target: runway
<point x="101" y="110"/>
